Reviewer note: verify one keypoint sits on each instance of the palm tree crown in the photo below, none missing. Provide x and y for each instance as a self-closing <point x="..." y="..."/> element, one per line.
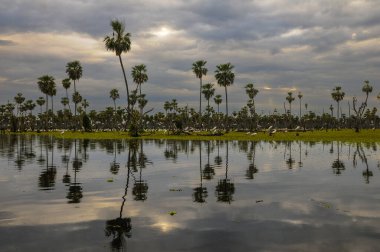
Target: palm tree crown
<point x="120" y="41"/>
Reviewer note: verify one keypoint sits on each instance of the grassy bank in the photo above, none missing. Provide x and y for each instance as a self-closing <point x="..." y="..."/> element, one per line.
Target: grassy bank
<point x="315" y="136"/>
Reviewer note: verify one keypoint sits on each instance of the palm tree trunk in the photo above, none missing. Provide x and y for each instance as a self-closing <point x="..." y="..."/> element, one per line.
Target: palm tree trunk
<point x="200" y="96"/>
<point x="47" y="107"/>
<point x="300" y="111"/>
<point x="337" y="112"/>
<point x="67" y="96"/>
<point x="125" y="80"/>
<point x="227" y="124"/>
<point x="114" y="104"/>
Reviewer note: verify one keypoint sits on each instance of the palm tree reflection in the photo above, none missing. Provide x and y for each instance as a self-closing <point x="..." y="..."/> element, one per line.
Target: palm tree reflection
<point x="218" y="159"/>
<point x="114" y="166"/>
<point x="208" y="171"/>
<point x="225" y="188"/>
<point x="360" y="152"/>
<point x="251" y="155"/>
<point x="120" y="228"/>
<point x="75" y="193"/>
<point x="337" y="166"/>
<point x="290" y="161"/>
<point x="140" y="186"/>
<point x="200" y="193"/>
<point x="46" y="180"/>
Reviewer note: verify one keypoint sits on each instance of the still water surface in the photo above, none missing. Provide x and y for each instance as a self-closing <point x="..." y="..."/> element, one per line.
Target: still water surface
<point x="165" y="195"/>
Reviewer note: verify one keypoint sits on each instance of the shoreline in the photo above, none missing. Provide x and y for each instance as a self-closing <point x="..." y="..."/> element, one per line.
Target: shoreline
<point x="345" y="135"/>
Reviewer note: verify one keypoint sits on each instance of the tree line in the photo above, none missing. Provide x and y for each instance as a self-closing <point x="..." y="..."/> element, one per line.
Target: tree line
<point x="18" y="116"/>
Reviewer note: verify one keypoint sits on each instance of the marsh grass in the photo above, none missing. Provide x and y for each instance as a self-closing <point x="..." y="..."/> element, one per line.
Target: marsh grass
<point x="345" y="135"/>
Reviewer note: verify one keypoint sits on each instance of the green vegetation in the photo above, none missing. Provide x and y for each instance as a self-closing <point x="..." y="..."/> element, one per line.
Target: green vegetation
<point x="313" y="136"/>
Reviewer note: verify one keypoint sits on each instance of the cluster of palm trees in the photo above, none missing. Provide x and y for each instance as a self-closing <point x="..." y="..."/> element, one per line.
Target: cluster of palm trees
<point x="176" y="118"/>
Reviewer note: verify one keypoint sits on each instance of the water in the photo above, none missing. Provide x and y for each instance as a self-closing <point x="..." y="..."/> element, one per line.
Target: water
<point x="164" y="195"/>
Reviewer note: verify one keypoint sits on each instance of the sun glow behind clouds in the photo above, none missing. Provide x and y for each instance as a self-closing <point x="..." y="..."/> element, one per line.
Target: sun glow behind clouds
<point x="163" y="32"/>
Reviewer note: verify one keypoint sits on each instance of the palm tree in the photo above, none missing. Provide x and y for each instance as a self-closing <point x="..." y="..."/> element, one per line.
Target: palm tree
<point x="199" y="70"/>
<point x="44" y="84"/>
<point x="85" y="105"/>
<point x="65" y="102"/>
<point x="66" y="85"/>
<point x="40" y="101"/>
<point x="300" y="98"/>
<point x="208" y="91"/>
<point x="139" y="75"/>
<point x="251" y="91"/>
<point x="19" y="99"/>
<point x="218" y="100"/>
<point x="337" y="96"/>
<point x="74" y="70"/>
<point x="52" y="92"/>
<point x="77" y="98"/>
<point x="114" y="94"/>
<point x="367" y="88"/>
<point x="290" y="99"/>
<point x="225" y="77"/>
<point x="119" y="42"/>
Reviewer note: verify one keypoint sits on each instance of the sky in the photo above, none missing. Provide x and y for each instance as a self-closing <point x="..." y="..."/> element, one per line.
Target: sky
<point x="279" y="45"/>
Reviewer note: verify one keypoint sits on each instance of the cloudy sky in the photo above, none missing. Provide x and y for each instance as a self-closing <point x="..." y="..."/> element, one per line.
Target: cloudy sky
<point x="280" y="45"/>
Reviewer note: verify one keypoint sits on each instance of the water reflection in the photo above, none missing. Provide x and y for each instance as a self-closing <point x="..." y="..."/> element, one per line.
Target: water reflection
<point x="120" y="228"/>
<point x="200" y="192"/>
<point x="46" y="180"/>
<point x="338" y="165"/>
<point x="251" y="155"/>
<point x="75" y="191"/>
<point x="359" y="152"/>
<point x="261" y="182"/>
<point x="225" y="188"/>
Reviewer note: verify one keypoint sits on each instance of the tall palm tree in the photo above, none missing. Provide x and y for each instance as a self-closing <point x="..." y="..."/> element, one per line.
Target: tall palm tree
<point x="290" y="99"/>
<point x="74" y="71"/>
<point x="119" y="42"/>
<point x="208" y="91"/>
<point x="44" y="84"/>
<point x="251" y="91"/>
<point x="337" y="96"/>
<point x="225" y="77"/>
<point x="218" y="100"/>
<point x="114" y="94"/>
<point x="300" y="98"/>
<point x="66" y="85"/>
<point x="199" y="70"/>
<point x="139" y="75"/>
